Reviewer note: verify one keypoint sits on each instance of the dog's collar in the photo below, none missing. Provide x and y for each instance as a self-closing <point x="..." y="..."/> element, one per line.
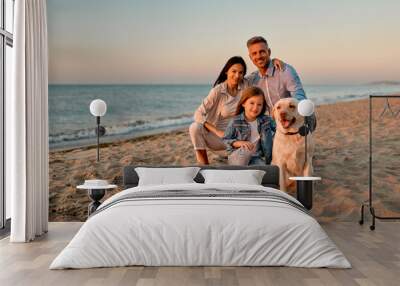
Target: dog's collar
<point x="289" y="133"/>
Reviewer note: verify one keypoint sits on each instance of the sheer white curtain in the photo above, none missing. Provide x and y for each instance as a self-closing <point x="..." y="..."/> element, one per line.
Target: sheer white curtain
<point x="27" y="123"/>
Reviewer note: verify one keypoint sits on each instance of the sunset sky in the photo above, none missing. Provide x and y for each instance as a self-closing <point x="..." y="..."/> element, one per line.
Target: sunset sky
<point x="178" y="41"/>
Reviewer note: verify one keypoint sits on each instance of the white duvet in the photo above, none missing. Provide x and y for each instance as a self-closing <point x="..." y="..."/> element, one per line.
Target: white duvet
<point x="200" y="231"/>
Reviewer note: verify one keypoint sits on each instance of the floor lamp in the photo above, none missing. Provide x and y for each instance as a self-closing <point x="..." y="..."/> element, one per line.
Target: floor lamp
<point x="98" y="108"/>
<point x="306" y="109"/>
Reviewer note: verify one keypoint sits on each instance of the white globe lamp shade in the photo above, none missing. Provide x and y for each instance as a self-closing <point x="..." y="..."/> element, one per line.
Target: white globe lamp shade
<point x="98" y="107"/>
<point x="305" y="107"/>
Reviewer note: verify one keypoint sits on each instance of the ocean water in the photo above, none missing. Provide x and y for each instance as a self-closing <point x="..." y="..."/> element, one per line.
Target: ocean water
<point x="137" y="110"/>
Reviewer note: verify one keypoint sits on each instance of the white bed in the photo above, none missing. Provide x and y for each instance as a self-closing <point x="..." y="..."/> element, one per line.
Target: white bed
<point x="205" y="230"/>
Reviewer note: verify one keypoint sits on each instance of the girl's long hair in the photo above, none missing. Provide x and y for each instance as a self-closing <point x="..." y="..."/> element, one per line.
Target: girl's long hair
<point x="232" y="61"/>
<point x="250" y="92"/>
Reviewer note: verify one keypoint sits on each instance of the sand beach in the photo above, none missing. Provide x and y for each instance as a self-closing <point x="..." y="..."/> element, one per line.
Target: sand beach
<point x="341" y="159"/>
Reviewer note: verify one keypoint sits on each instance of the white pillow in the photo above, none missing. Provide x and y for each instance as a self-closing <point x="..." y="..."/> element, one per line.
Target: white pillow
<point x="249" y="177"/>
<point x="163" y="176"/>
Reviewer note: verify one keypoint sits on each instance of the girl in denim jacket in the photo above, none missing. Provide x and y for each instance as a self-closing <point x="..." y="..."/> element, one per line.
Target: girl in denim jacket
<point x="249" y="134"/>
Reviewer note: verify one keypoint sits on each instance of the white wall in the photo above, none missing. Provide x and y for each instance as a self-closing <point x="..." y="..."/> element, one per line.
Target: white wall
<point x="8" y="83"/>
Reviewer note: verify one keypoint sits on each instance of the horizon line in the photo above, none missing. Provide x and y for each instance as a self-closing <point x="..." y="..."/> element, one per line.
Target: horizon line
<point x="382" y="82"/>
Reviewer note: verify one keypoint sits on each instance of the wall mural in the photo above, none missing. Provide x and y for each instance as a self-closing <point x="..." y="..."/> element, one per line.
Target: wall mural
<point x="243" y="110"/>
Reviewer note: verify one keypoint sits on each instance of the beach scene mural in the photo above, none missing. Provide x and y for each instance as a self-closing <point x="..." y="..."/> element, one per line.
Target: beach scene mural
<point x="154" y="63"/>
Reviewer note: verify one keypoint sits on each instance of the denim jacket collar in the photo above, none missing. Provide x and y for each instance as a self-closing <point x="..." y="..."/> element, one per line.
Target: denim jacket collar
<point x="260" y="119"/>
<point x="242" y="117"/>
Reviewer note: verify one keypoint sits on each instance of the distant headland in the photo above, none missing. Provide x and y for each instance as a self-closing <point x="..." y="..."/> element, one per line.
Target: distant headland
<point x="385" y="82"/>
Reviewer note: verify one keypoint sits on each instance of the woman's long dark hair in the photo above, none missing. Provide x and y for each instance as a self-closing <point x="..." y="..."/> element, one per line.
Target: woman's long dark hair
<point x="232" y="61"/>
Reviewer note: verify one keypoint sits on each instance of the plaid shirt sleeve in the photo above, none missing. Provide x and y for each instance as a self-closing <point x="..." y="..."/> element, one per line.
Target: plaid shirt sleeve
<point x="230" y="136"/>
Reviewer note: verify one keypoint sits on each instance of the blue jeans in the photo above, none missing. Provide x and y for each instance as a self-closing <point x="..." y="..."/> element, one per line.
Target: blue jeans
<point x="244" y="157"/>
<point x="256" y="161"/>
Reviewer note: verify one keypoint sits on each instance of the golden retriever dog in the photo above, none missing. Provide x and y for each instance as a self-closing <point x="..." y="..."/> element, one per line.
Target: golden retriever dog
<point x="288" y="148"/>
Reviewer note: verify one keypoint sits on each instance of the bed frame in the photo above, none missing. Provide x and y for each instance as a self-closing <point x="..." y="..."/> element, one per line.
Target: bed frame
<point x="270" y="179"/>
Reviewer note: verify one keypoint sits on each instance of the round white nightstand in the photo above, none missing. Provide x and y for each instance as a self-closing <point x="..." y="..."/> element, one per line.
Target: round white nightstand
<point x="305" y="190"/>
<point x="96" y="193"/>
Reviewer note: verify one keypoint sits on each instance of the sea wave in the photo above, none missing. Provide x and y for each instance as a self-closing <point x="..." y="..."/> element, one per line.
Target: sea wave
<point x="127" y="128"/>
<point x="66" y="118"/>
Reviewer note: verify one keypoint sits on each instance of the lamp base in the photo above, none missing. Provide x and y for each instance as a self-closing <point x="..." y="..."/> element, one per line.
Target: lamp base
<point x="303" y="130"/>
<point x="102" y="131"/>
<point x="305" y="193"/>
<point x="96" y="195"/>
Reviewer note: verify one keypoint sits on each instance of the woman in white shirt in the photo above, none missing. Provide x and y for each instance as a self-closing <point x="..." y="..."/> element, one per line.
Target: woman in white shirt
<point x="212" y="116"/>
